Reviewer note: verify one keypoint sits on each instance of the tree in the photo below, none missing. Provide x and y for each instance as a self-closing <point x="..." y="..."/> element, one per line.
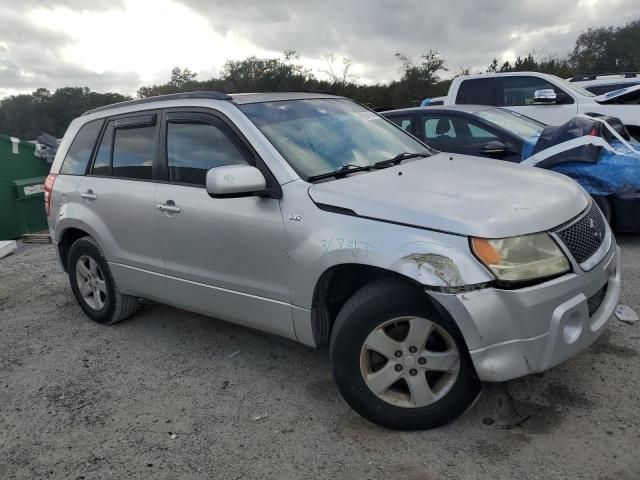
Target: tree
<point x="425" y="71"/>
<point x="181" y="77"/>
<point x="463" y="71"/>
<point x="339" y="76"/>
<point x="266" y="74"/>
<point x="418" y="80"/>
<point x="607" y="49"/>
<point x="27" y="116"/>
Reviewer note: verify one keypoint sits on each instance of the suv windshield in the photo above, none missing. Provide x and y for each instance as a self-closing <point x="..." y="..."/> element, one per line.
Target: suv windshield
<point x="520" y="125"/>
<point x="318" y="136"/>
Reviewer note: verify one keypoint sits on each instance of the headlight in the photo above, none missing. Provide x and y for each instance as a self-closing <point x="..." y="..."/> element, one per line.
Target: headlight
<point x="517" y="259"/>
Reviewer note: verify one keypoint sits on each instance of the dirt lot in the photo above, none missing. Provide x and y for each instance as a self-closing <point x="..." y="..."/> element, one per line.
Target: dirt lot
<point x="170" y="394"/>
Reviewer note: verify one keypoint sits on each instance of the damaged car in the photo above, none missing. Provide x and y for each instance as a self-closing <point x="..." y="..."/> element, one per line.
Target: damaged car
<point x="313" y="218"/>
<point x="596" y="151"/>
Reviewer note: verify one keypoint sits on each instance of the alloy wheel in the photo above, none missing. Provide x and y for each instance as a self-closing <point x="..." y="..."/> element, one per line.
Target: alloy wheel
<point x="410" y="362"/>
<point x="91" y="283"/>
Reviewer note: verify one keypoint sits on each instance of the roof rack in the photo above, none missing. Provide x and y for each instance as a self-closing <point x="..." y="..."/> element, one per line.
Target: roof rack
<point x="209" y="95"/>
<point x="593" y="76"/>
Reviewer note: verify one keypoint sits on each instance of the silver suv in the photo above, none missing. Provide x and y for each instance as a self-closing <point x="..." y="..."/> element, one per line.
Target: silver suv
<point x="311" y="217"/>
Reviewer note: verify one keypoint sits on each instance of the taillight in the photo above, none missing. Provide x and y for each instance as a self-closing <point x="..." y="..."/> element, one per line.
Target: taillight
<point x="48" y="187"/>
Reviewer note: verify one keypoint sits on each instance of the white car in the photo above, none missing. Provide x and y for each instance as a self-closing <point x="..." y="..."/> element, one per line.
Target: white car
<point x="600" y="83"/>
<point x="546" y="98"/>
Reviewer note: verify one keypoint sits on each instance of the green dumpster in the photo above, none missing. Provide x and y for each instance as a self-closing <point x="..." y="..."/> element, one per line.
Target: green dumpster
<point x="22" y="176"/>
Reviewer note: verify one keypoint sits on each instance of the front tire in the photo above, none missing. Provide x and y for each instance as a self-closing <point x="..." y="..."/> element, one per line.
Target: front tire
<point x="397" y="362"/>
<point x="93" y="284"/>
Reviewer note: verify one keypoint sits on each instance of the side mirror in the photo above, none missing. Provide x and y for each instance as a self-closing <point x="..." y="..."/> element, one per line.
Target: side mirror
<point x="546" y="95"/>
<point x="494" y="147"/>
<point x="231" y="181"/>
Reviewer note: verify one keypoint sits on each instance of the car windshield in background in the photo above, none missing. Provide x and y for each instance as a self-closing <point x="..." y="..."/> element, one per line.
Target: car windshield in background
<point x="515" y="123"/>
<point x="318" y="136"/>
<point x="575" y="88"/>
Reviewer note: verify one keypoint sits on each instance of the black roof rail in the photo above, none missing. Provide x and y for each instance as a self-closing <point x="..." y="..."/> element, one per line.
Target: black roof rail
<point x="593" y="76"/>
<point x="209" y="95"/>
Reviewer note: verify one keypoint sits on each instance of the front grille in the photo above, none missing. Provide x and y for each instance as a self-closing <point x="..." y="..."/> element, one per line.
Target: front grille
<point x="595" y="300"/>
<point x="584" y="237"/>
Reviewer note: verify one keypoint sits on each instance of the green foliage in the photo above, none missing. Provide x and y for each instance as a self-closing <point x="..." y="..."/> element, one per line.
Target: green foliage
<point x="27" y="116"/>
<point x="607" y="49"/>
<point x="597" y="49"/>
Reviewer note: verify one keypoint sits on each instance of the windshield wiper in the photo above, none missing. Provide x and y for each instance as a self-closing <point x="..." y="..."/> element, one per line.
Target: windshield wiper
<point x="351" y="168"/>
<point x="340" y="172"/>
<point x="398" y="158"/>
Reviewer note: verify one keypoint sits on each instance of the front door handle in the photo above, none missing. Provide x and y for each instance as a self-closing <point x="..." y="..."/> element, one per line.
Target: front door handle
<point x="169" y="207"/>
<point x="89" y="195"/>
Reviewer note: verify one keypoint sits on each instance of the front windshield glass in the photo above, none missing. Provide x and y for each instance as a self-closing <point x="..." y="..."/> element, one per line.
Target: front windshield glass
<point x="321" y="135"/>
<point x="575" y="88"/>
<point x="520" y="125"/>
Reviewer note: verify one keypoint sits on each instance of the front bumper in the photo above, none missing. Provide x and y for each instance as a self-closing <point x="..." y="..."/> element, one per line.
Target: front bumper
<point x="511" y="333"/>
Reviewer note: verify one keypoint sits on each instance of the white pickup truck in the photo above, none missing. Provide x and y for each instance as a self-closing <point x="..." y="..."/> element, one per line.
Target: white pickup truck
<point x="546" y="98"/>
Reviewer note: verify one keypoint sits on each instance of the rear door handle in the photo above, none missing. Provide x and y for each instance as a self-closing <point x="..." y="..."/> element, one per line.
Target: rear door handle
<point x="169" y="207"/>
<point x="89" y="195"/>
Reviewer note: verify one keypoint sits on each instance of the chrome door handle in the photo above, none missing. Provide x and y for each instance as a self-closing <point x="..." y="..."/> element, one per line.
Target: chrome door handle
<point x="168" y="207"/>
<point x="89" y="195"/>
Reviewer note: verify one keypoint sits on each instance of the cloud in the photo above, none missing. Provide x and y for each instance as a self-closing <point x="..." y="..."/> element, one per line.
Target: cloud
<point x="121" y="45"/>
<point x="467" y="32"/>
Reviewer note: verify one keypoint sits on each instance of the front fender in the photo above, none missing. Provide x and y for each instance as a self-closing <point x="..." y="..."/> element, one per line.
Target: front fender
<point x="318" y="240"/>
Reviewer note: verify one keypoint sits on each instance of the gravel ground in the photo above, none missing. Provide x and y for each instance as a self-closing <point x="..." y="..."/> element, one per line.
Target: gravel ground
<point x="171" y="394"/>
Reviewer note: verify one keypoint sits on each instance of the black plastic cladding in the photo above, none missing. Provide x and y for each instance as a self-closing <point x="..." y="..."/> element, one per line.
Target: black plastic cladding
<point x="584" y="237"/>
<point x="210" y="95"/>
<point x="595" y="300"/>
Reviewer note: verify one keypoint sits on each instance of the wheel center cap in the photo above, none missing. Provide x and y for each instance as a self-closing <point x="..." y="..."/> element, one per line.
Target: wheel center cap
<point x="409" y="361"/>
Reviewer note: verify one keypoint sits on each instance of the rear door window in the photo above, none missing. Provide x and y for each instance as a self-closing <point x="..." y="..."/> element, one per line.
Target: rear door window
<point x="455" y="134"/>
<point x="79" y="154"/>
<point x="133" y="149"/>
<point x="127" y="148"/>
<point x="479" y="91"/>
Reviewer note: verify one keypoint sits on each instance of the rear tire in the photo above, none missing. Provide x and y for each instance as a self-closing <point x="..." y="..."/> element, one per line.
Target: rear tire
<point x="93" y="284"/>
<point x="390" y="328"/>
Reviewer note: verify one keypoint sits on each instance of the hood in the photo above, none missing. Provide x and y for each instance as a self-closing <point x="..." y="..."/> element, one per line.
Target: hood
<point x="621" y="95"/>
<point x="459" y="194"/>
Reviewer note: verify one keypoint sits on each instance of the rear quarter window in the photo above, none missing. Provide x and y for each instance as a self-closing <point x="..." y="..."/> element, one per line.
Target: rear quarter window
<point x="79" y="153"/>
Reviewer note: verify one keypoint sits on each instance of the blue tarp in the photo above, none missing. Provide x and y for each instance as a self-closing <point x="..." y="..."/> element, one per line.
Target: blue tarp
<point x="617" y="172"/>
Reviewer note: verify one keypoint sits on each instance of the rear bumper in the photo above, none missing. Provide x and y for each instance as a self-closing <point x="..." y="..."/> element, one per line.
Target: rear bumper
<point x="512" y="333"/>
<point x="626" y="208"/>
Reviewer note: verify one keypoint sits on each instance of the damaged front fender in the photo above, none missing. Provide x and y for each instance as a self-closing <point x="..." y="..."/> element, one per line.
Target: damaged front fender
<point x="438" y="267"/>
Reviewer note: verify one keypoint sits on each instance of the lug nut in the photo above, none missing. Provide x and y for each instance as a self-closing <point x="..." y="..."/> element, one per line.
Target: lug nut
<point x="413" y="372"/>
<point x="398" y="368"/>
<point x="413" y="349"/>
<point x="398" y="353"/>
<point x="422" y="361"/>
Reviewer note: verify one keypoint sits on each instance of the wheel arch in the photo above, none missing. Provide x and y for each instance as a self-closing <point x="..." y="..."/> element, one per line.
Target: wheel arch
<point x="339" y="282"/>
<point x="67" y="235"/>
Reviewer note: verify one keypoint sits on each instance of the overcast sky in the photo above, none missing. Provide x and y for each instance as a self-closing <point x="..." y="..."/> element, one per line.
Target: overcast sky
<point x="119" y="45"/>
